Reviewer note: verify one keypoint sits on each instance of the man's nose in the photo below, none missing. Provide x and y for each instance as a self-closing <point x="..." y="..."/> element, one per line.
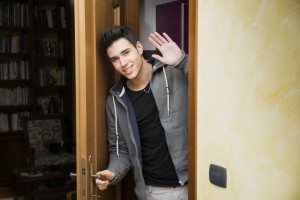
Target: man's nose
<point x="123" y="61"/>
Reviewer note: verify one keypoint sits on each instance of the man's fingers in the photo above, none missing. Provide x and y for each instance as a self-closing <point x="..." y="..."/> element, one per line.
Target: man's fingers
<point x="167" y="37"/>
<point x="102" y="185"/>
<point x="160" y="38"/>
<point x="158" y="57"/>
<point x="155" y="37"/>
<point x="154" y="42"/>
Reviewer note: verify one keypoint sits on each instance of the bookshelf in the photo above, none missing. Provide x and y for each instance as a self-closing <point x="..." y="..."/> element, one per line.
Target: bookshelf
<point x="35" y="71"/>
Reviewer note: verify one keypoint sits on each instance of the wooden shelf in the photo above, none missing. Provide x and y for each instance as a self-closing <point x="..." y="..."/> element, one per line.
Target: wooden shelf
<point x="50" y="116"/>
<point x="11" y="134"/>
<point x="14" y="29"/>
<point x="15" y="107"/>
<point x="14" y="82"/>
<point x="15" y="55"/>
<point x="45" y="59"/>
<point x="51" y="88"/>
<point x="47" y="2"/>
<point x="13" y="1"/>
<point x="52" y="30"/>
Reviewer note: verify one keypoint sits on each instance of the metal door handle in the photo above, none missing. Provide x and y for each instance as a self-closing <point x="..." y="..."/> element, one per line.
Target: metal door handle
<point x="73" y="176"/>
<point x="95" y="176"/>
<point x="94" y="195"/>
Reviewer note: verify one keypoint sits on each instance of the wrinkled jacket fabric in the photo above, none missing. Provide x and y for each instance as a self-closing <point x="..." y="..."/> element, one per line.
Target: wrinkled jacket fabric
<point x="125" y="147"/>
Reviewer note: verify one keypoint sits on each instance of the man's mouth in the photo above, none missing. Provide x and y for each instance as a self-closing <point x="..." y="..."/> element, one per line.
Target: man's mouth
<point x="128" y="70"/>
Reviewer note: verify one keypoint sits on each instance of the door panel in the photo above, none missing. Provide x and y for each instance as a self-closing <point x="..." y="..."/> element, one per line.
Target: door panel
<point x="93" y="80"/>
<point x="94" y="77"/>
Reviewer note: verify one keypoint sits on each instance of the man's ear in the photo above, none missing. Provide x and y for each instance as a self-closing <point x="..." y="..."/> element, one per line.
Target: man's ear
<point x="139" y="47"/>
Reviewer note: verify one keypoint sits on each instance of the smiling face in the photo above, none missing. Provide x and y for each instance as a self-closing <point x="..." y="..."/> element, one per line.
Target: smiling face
<point x="126" y="58"/>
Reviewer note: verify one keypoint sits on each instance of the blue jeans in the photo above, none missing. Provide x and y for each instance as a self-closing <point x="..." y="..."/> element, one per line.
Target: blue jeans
<point x="166" y="193"/>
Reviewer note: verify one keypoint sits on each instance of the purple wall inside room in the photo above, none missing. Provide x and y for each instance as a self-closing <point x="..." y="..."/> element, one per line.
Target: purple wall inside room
<point x="172" y="18"/>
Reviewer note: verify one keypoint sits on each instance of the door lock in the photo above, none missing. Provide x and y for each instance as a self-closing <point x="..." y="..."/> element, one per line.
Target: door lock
<point x="94" y="177"/>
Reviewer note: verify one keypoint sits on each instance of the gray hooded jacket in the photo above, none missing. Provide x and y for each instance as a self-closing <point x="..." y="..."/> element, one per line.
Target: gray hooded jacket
<point x="169" y="88"/>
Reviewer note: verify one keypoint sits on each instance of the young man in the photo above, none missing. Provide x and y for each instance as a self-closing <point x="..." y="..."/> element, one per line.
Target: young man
<point x="147" y="116"/>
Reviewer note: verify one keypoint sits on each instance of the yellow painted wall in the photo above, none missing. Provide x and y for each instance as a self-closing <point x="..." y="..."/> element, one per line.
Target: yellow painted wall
<point x="249" y="98"/>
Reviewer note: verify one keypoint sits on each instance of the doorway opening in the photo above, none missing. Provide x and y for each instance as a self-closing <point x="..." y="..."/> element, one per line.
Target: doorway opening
<point x="91" y="92"/>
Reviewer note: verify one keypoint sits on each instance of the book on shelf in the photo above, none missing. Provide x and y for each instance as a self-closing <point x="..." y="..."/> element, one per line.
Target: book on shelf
<point x="4" y="125"/>
<point x="50" y="17"/>
<point x="14" y="70"/>
<point x="51" y="105"/>
<point x="14" y="43"/>
<point x="51" y="48"/>
<point x="16" y="120"/>
<point x="14" y="96"/>
<point x="1" y="14"/>
<point x="51" y="76"/>
<point x="63" y="17"/>
<point x="14" y="14"/>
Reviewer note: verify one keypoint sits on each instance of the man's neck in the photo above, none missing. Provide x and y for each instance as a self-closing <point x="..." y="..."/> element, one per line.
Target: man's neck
<point x="143" y="78"/>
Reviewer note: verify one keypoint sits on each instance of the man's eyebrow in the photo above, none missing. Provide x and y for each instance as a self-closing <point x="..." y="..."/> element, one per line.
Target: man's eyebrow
<point x="114" y="57"/>
<point x="127" y="49"/>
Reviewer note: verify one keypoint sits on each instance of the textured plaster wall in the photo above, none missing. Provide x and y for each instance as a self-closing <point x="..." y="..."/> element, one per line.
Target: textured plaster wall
<point x="249" y="98"/>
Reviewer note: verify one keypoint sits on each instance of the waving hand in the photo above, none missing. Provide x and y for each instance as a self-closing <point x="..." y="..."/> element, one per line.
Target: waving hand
<point x="171" y="53"/>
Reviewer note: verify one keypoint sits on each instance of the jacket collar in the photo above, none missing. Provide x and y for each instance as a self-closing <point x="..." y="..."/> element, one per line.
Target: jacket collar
<point x="119" y="89"/>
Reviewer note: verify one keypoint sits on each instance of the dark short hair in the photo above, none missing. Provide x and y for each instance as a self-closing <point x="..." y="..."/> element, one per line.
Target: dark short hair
<point x="113" y="34"/>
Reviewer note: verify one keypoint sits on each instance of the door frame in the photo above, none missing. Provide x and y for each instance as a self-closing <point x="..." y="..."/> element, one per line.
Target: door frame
<point x="87" y="90"/>
<point x="93" y="79"/>
<point x="81" y="64"/>
<point x="192" y="98"/>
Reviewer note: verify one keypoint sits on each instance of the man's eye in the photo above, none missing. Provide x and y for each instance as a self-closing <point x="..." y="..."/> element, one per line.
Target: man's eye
<point x="114" y="60"/>
<point x="126" y="52"/>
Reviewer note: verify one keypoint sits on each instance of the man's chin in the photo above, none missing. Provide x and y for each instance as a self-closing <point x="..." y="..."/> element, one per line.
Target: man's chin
<point x="129" y="76"/>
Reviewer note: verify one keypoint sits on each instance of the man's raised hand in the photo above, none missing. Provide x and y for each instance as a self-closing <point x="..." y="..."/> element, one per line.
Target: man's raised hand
<point x="171" y="53"/>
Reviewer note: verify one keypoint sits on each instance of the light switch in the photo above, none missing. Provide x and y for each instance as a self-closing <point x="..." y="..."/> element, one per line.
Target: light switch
<point x="218" y="175"/>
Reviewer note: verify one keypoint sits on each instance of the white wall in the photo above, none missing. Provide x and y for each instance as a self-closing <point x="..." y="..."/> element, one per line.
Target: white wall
<point x="148" y="20"/>
<point x="249" y="98"/>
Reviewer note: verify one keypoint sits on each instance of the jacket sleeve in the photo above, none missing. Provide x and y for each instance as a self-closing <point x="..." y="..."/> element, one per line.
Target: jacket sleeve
<point x="121" y="165"/>
<point x="182" y="65"/>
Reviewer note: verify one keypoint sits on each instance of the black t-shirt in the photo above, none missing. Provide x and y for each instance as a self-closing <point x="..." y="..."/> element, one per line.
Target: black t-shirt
<point x="158" y="167"/>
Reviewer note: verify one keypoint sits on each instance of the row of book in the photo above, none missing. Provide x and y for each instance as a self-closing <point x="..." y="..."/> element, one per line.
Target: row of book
<point x="15" y="120"/>
<point x="14" y="14"/>
<point x="14" y="96"/>
<point x="14" y="70"/>
<point x="50" y="49"/>
<point x="52" y="105"/>
<point x="52" y="76"/>
<point x="14" y="44"/>
<point x="50" y="18"/>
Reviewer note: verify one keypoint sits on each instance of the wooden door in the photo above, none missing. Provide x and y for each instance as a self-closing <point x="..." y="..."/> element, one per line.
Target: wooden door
<point x="94" y="78"/>
<point x="192" y="98"/>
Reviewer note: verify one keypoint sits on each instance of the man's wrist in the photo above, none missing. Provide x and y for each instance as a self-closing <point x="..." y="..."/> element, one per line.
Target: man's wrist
<point x="180" y="60"/>
<point x="112" y="180"/>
